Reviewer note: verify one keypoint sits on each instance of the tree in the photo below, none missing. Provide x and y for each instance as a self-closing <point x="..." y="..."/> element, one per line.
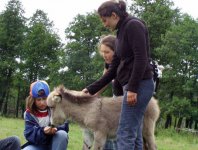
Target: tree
<point x="12" y="26"/>
<point x="179" y="53"/>
<point x="81" y="51"/>
<point x="159" y="16"/>
<point x="41" y="48"/>
<point x="40" y="53"/>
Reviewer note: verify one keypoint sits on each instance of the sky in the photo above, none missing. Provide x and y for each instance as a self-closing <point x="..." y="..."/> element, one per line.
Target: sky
<point x="62" y="12"/>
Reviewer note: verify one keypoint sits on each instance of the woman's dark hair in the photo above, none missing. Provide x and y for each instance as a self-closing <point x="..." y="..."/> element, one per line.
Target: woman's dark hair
<point x="106" y="8"/>
<point x="108" y="40"/>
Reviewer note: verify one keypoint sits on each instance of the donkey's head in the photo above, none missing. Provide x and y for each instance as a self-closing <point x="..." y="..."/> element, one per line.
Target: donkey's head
<point x="63" y="102"/>
<point x="54" y="102"/>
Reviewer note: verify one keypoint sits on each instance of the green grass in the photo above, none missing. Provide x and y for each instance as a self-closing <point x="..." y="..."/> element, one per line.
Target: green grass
<point x="169" y="139"/>
<point x="165" y="139"/>
<point x="12" y="126"/>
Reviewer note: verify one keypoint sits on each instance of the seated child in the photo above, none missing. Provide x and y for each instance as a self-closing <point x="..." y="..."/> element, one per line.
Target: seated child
<point x="38" y="132"/>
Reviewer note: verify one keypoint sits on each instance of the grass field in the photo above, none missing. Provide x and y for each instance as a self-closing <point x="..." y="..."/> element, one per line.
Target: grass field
<point x="166" y="139"/>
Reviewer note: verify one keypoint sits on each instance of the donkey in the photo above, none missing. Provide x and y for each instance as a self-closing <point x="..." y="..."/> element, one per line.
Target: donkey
<point x="99" y="114"/>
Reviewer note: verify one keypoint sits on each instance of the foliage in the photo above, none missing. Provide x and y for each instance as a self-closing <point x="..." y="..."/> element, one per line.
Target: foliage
<point x="179" y="53"/>
<point x="12" y="26"/>
<point x="28" y="52"/>
<point x="82" y="58"/>
<point x="159" y="16"/>
<point x="40" y="48"/>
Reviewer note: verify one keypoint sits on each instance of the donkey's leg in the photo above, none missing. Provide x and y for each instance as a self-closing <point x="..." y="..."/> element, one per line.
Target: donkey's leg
<point x="148" y="134"/>
<point x="145" y="144"/>
<point x="99" y="140"/>
<point x="150" y="118"/>
<point x="88" y="139"/>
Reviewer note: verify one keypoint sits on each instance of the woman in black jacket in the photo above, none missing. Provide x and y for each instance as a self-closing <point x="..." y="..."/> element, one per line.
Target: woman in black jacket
<point x="131" y="67"/>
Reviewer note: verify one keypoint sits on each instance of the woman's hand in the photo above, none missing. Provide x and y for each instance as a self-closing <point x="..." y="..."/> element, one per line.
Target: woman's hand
<point x="50" y="130"/>
<point x="85" y="91"/>
<point x="131" y="98"/>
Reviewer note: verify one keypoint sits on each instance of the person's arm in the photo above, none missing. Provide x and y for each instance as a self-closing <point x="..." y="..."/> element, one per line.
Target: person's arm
<point x="105" y="79"/>
<point x="136" y="34"/>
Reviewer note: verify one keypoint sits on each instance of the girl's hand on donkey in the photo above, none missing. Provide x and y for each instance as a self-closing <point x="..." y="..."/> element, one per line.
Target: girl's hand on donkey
<point x="85" y="91"/>
<point x="50" y="130"/>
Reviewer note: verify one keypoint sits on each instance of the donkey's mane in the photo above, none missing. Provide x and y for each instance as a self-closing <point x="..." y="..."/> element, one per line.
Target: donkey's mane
<point x="71" y="96"/>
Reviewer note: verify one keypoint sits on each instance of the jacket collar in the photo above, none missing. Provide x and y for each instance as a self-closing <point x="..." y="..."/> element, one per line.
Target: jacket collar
<point x="122" y="22"/>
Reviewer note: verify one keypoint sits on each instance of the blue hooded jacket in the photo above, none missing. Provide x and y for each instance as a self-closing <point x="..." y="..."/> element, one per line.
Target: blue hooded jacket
<point x="34" y="133"/>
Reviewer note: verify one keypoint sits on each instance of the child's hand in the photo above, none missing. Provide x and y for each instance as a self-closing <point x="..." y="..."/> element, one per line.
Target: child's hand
<point x="49" y="130"/>
<point x="53" y="130"/>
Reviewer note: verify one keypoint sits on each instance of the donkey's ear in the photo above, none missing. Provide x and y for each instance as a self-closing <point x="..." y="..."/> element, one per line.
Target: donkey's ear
<point x="57" y="98"/>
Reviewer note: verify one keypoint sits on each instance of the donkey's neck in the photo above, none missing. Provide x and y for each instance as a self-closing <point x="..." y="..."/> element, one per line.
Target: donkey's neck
<point x="77" y="112"/>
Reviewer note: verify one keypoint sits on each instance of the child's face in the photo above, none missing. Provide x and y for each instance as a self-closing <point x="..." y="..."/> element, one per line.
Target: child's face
<point x="107" y="53"/>
<point x="41" y="103"/>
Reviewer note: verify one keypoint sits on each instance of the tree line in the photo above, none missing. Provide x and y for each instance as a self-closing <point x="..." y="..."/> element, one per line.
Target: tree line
<point x="30" y="49"/>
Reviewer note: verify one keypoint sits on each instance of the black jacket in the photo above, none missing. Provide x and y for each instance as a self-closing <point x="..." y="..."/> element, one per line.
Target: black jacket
<point x="130" y="62"/>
